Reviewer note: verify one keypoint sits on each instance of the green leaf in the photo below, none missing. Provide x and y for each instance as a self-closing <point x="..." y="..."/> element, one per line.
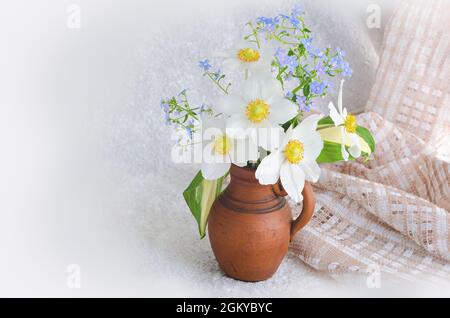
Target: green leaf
<point x="200" y="196"/>
<point x="306" y="90"/>
<point x="325" y="121"/>
<point x="301" y="49"/>
<point x="331" y="152"/>
<point x="365" y="134"/>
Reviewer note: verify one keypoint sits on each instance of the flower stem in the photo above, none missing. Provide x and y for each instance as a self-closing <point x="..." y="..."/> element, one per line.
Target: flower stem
<point x="217" y="83"/>
<point x="255" y="34"/>
<point x="328" y="126"/>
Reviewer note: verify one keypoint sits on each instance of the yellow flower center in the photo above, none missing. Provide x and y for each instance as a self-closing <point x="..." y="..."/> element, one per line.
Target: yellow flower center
<point x="294" y="151"/>
<point x="350" y="123"/>
<point x="248" y="55"/>
<point x="222" y="145"/>
<point x="257" y="111"/>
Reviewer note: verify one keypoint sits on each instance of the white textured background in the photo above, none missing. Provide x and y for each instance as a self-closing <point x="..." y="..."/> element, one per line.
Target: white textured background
<point x="86" y="176"/>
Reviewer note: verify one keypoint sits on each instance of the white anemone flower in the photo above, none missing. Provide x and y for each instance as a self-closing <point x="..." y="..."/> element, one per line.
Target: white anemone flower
<point x="295" y="160"/>
<point x="222" y="150"/>
<point x="347" y="122"/>
<point x="245" y="56"/>
<point x="257" y="111"/>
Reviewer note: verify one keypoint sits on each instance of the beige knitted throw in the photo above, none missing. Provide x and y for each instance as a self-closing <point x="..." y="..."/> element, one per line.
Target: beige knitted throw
<point x="393" y="212"/>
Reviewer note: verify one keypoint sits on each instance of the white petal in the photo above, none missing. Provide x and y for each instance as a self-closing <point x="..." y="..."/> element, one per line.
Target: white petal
<point x="344" y="113"/>
<point x="214" y="122"/>
<point x="306" y="133"/>
<point x="267" y="135"/>
<point x="251" y="90"/>
<point x="226" y="53"/>
<point x="268" y="171"/>
<point x="256" y="69"/>
<point x="213" y="171"/>
<point x="282" y="110"/>
<point x="232" y="65"/>
<point x="243" y="150"/>
<point x="288" y="135"/>
<point x="335" y="116"/>
<point x="268" y="50"/>
<point x="214" y="165"/>
<point x="313" y="145"/>
<point x="293" y="180"/>
<point x="240" y="44"/>
<point x="355" y="149"/>
<point x="343" y="150"/>
<point x="237" y="126"/>
<point x="271" y="89"/>
<point x="212" y="127"/>
<point x="308" y="125"/>
<point x="230" y="104"/>
<point x="267" y="53"/>
<point x="210" y="156"/>
<point x="311" y="170"/>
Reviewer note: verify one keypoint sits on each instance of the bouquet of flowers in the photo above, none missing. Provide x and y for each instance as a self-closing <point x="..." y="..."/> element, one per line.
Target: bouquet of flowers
<point x="268" y="122"/>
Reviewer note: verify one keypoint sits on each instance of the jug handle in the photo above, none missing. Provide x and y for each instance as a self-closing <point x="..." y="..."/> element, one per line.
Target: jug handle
<point x="309" y="202"/>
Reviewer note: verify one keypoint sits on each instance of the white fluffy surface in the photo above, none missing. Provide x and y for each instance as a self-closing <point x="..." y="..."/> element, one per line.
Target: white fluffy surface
<point x="89" y="178"/>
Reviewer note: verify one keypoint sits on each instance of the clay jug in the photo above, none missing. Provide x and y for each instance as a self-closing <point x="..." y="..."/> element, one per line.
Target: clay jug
<point x="250" y="226"/>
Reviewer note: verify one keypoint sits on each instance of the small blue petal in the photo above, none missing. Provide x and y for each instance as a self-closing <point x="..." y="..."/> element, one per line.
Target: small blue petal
<point x="204" y="65"/>
<point x="317" y="88"/>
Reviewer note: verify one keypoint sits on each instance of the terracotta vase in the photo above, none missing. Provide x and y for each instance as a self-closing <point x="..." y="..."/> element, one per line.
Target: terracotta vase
<point x="250" y="226"/>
